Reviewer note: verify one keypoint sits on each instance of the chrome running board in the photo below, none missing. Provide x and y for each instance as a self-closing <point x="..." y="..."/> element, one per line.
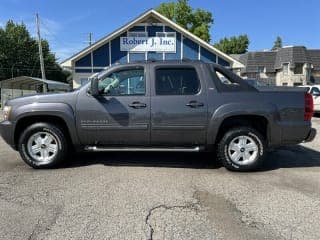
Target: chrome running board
<point x="136" y="149"/>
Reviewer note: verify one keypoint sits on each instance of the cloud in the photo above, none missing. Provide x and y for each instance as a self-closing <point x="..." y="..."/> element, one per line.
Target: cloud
<point x="51" y="30"/>
<point x="79" y="17"/>
<point x="50" y="27"/>
<point x="65" y="52"/>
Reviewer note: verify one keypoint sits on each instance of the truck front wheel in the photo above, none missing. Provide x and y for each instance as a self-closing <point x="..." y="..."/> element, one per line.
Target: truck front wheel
<point x="42" y="145"/>
<point x="241" y="149"/>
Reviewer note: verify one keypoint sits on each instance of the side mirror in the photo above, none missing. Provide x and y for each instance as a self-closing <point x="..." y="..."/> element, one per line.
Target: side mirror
<point x="94" y="87"/>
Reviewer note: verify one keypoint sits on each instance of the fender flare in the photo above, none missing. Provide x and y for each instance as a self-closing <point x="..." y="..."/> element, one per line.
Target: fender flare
<point x="266" y="110"/>
<point x="60" y="110"/>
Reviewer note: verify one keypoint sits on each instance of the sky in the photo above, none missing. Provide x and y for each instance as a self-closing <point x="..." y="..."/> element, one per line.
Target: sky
<point x="67" y="23"/>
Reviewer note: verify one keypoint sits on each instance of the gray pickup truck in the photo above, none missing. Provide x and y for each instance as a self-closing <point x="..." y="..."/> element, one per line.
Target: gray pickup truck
<point x="182" y="106"/>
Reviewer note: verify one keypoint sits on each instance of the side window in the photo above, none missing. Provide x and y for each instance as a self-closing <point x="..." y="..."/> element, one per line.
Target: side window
<point x="224" y="79"/>
<point x="315" y="91"/>
<point x="123" y="82"/>
<point x="177" y="81"/>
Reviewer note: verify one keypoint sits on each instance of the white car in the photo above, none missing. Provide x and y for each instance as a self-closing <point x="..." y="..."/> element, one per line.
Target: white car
<point x="314" y="90"/>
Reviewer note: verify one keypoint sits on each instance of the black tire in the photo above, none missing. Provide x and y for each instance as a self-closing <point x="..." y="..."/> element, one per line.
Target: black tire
<point x="223" y="150"/>
<point x="59" y="139"/>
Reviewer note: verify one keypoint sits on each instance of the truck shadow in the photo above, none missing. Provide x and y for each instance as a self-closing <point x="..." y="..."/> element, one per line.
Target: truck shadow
<point x="146" y="159"/>
<point x="284" y="157"/>
<point x="291" y="157"/>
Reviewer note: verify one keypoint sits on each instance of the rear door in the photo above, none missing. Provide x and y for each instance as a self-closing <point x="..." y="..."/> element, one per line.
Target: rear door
<point x="178" y="106"/>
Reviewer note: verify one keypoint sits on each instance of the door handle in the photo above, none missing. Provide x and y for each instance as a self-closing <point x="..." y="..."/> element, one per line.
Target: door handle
<point x="137" y="105"/>
<point x="194" y="104"/>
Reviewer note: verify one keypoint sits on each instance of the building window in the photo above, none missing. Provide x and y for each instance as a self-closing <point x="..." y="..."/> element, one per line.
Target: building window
<point x="261" y="69"/>
<point x="137" y="34"/>
<point x="298" y="69"/>
<point x="177" y="81"/>
<point x="285" y="68"/>
<point x="83" y="81"/>
<point x="166" y="34"/>
<point x="285" y="84"/>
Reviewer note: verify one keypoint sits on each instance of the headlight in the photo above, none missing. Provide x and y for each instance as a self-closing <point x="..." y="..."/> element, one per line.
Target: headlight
<point x="6" y="112"/>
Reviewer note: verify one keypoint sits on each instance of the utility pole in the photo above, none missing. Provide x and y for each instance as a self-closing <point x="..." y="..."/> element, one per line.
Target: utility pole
<point x="43" y="73"/>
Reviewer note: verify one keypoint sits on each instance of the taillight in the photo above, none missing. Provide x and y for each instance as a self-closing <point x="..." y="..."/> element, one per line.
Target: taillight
<point x="308" y="107"/>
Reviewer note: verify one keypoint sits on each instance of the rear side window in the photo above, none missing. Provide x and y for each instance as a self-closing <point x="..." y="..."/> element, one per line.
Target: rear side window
<point x="177" y="81"/>
<point x="224" y="79"/>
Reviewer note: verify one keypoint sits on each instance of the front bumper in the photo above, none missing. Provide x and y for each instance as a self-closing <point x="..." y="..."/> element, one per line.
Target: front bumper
<point x="311" y="135"/>
<point x="7" y="133"/>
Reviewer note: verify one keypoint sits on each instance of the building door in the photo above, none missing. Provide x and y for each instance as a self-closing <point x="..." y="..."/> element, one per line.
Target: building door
<point x="120" y="115"/>
<point x="178" y="107"/>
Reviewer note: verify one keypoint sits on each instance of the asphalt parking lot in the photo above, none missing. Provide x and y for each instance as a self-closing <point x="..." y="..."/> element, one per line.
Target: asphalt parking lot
<point x="162" y="196"/>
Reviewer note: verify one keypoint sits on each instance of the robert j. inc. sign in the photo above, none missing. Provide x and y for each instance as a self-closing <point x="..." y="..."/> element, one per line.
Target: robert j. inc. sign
<point x="148" y="44"/>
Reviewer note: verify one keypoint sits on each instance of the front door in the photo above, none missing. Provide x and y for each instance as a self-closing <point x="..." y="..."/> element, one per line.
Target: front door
<point x="120" y="115"/>
<point x="178" y="106"/>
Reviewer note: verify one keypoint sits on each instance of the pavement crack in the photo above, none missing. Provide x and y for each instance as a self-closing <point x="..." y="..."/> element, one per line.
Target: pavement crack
<point x="46" y="224"/>
<point x="190" y="206"/>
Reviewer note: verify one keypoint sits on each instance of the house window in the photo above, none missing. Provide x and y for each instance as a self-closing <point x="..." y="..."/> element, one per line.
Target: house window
<point x="261" y="69"/>
<point x="298" y="69"/>
<point x="285" y="84"/>
<point x="285" y="68"/>
<point x="137" y="34"/>
<point x="166" y="34"/>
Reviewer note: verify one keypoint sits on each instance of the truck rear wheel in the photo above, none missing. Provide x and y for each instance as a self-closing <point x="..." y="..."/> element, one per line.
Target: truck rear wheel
<point x="241" y="149"/>
<point x="42" y="145"/>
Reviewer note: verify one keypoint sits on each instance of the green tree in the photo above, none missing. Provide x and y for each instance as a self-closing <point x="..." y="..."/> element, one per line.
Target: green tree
<point x="277" y="43"/>
<point x="197" y="21"/>
<point x="19" y="54"/>
<point x="233" y="45"/>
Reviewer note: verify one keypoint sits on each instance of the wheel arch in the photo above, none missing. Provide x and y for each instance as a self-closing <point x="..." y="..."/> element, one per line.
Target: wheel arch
<point x="258" y="122"/>
<point x="242" y="114"/>
<point x="57" y="114"/>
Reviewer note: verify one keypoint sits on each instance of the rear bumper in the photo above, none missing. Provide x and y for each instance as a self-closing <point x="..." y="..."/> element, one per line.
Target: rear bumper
<point x="7" y="133"/>
<point x="311" y="135"/>
<point x="288" y="133"/>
